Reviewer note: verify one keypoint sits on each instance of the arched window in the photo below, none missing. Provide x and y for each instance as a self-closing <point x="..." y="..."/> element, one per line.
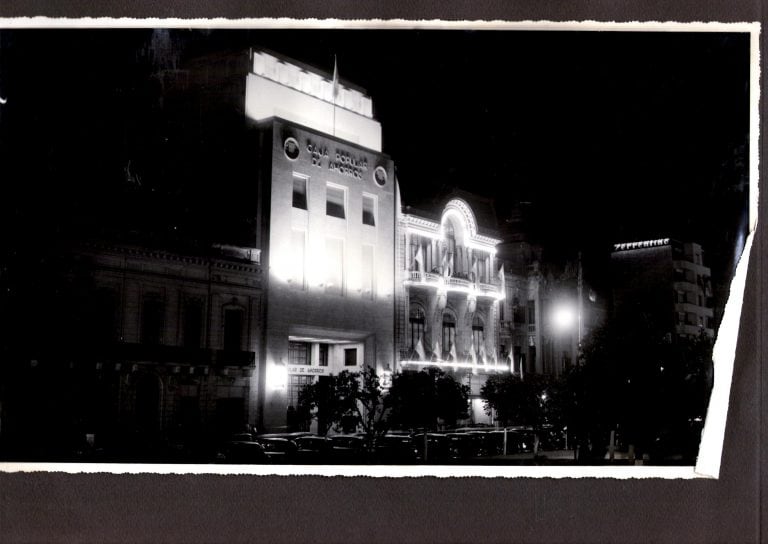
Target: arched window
<point x="415" y="325"/>
<point x="449" y="334"/>
<point x="450" y="239"/>
<point x="478" y="333"/>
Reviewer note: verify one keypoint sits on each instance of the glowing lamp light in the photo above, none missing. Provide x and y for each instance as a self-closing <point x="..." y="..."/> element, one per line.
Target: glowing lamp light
<point x="277" y="377"/>
<point x="564" y="318"/>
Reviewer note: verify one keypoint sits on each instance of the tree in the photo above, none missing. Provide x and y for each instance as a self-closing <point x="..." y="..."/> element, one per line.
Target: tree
<point x="349" y="398"/>
<point x="372" y="405"/>
<point x="329" y="400"/>
<point x="516" y="401"/>
<point x="640" y="381"/>
<point x="421" y="400"/>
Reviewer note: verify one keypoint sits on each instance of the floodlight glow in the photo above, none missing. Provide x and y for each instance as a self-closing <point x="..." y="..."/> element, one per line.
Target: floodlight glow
<point x="563" y="318"/>
<point x="277" y="377"/>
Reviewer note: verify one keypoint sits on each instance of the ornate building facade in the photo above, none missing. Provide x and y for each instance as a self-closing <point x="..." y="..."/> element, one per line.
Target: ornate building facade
<point x="448" y="295"/>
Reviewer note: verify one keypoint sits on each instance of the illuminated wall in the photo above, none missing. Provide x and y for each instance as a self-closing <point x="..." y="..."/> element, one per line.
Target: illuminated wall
<point x="279" y="88"/>
<point x="450" y="290"/>
<point x="330" y="247"/>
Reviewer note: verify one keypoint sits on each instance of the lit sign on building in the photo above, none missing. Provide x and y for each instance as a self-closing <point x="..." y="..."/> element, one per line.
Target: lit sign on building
<point x="303" y="369"/>
<point x="342" y="162"/>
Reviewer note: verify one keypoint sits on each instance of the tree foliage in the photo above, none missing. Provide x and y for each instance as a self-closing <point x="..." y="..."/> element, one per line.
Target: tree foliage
<point x="519" y="402"/>
<point x="640" y="382"/>
<point x="348" y="400"/>
<point x="329" y="400"/>
<point x="427" y="399"/>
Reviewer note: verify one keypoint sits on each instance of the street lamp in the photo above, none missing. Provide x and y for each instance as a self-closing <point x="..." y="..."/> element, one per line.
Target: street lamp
<point x="563" y="317"/>
<point x="564" y="321"/>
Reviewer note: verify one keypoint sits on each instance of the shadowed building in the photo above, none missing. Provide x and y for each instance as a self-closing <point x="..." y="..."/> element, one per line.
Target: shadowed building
<point x="664" y="282"/>
<point x="146" y="348"/>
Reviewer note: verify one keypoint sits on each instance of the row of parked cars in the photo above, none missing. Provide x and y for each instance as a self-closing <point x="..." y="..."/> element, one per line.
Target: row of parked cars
<point x="397" y="447"/>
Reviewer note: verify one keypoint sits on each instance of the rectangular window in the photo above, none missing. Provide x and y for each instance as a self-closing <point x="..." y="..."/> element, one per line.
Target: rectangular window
<point x="478" y="339"/>
<point x="299" y="192"/>
<point x="193" y="323"/>
<point x="323" y="355"/>
<point x="517" y="357"/>
<point x="334" y="265"/>
<point x="152" y="317"/>
<point x="297" y="382"/>
<point x="335" y="205"/>
<point x="297" y="258"/>
<point x="233" y="329"/>
<point x="104" y="324"/>
<point x="350" y="357"/>
<point x="299" y="353"/>
<point x="367" y="268"/>
<point x="531" y="312"/>
<point x="449" y="339"/>
<point x="369" y="210"/>
<point x="531" y="359"/>
<point x="417" y="330"/>
<point x="518" y="315"/>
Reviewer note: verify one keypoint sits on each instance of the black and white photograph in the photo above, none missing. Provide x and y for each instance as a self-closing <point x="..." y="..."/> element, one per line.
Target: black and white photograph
<point x="266" y="248"/>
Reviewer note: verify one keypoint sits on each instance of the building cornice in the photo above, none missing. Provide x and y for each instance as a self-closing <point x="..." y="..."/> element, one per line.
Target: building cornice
<point x="146" y="253"/>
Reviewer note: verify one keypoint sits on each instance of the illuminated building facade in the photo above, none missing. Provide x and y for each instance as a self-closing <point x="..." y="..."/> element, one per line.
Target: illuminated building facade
<point x="328" y="218"/>
<point x="449" y="292"/>
<point x="667" y="280"/>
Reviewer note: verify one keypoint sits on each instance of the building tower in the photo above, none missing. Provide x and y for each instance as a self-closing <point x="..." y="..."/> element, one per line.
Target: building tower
<point x="327" y="197"/>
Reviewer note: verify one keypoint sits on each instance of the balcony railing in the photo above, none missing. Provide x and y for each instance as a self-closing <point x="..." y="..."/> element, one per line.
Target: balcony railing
<point x="453" y="284"/>
<point x="424" y="277"/>
<point x="158" y="353"/>
<point x="460" y="364"/>
<point x="457" y="282"/>
<point x="487" y="289"/>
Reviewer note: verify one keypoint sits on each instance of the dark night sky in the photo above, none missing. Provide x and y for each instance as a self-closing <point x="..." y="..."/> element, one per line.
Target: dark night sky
<point x="611" y="136"/>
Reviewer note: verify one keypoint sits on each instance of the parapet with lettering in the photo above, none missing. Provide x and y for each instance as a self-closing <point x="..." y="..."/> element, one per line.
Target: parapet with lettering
<point x="277" y="87"/>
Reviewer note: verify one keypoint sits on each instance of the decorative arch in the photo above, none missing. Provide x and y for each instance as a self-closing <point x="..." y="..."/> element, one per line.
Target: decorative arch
<point x="458" y="209"/>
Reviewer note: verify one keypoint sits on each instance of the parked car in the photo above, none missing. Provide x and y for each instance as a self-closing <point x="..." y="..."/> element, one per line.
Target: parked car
<point x="551" y="438"/>
<point x="520" y="440"/>
<point x="482" y="445"/>
<point x="438" y="447"/>
<point x="311" y="449"/>
<point x="398" y="449"/>
<point x="243" y="452"/>
<point x="278" y="450"/>
<point x="460" y="446"/>
<point x="347" y="448"/>
<point x="287" y="436"/>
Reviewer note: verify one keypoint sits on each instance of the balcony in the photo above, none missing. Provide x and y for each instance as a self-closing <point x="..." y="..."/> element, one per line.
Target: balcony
<point x="179" y="355"/>
<point x="475" y="367"/>
<point x="487" y="289"/>
<point x="457" y="284"/>
<point x="452" y="284"/>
